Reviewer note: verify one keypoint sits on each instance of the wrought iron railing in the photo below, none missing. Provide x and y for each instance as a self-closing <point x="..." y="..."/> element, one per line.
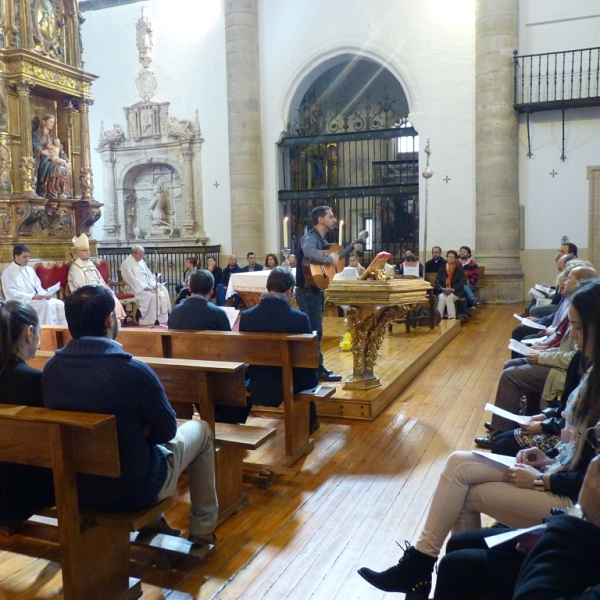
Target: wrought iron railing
<point x="369" y="178"/>
<point x="168" y="260"/>
<point x="557" y="80"/>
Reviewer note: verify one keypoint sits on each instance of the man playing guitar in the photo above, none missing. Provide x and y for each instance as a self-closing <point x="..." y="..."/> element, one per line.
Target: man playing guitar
<point x="311" y="300"/>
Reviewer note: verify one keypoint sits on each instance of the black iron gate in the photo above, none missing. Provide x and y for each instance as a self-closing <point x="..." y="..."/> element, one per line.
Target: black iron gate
<point x="369" y="178"/>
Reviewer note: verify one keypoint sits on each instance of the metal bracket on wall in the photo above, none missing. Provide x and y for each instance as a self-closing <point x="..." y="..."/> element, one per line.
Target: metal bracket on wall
<point x="529" y="153"/>
<point x="563" y="157"/>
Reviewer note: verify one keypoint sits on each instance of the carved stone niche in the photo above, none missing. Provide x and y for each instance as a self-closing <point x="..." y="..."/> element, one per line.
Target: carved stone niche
<point x="152" y="178"/>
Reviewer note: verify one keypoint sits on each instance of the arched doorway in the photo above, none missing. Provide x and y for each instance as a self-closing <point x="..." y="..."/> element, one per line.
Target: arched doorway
<point x="349" y="144"/>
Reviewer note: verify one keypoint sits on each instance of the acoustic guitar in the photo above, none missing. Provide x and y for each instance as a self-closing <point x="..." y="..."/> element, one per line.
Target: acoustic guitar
<point x="320" y="275"/>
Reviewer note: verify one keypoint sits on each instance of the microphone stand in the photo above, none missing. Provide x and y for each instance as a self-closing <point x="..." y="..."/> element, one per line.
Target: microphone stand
<point x="157" y="323"/>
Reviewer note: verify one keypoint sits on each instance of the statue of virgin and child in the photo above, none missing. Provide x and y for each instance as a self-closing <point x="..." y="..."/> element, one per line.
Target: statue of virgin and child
<point x="53" y="169"/>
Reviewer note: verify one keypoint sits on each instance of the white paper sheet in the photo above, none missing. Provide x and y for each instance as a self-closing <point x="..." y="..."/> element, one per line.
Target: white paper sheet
<point x="533" y="324"/>
<point x="495" y="540"/>
<point x="520" y="348"/>
<point x="499" y="460"/>
<point x="520" y="419"/>
<point x="53" y="289"/>
<point x="411" y="270"/>
<point x="536" y="293"/>
<point x="348" y="274"/>
<point x="537" y="340"/>
<point x="544" y="288"/>
<point x="232" y="314"/>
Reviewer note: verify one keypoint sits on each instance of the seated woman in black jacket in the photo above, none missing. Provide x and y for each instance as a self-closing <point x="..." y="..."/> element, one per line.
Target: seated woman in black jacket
<point x="449" y="284"/>
<point x="23" y="489"/>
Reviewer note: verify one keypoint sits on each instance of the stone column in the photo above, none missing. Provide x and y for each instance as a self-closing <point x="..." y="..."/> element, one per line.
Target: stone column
<point x="27" y="172"/>
<point x="188" y="222"/>
<point x="245" y="142"/>
<point x="111" y="221"/>
<point x="497" y="242"/>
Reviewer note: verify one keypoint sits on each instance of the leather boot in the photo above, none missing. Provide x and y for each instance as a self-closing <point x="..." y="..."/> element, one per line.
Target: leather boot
<point x="412" y="574"/>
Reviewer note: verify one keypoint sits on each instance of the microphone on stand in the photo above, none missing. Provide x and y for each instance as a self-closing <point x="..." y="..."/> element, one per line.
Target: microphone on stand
<point x="157" y="323"/>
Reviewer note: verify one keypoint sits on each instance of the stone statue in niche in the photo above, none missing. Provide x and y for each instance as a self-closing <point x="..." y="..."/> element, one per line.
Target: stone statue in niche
<point x="53" y="169"/>
<point x="147" y="127"/>
<point x="159" y="207"/>
<point x="130" y="208"/>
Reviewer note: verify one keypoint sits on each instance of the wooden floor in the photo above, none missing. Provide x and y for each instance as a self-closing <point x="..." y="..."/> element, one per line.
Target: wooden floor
<point x="365" y="486"/>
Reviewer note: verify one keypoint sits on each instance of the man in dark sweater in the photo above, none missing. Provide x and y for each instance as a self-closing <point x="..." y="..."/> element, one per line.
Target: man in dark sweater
<point x="197" y="312"/>
<point x="92" y="373"/>
<point x="275" y="314"/>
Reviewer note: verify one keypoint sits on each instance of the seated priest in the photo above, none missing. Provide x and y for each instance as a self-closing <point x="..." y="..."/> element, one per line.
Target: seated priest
<point x="20" y="282"/>
<point x="275" y="314"/>
<point x="141" y="281"/>
<point x="84" y="272"/>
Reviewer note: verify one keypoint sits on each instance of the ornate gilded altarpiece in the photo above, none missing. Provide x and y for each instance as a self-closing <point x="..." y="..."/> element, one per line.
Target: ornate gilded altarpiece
<point x="41" y="73"/>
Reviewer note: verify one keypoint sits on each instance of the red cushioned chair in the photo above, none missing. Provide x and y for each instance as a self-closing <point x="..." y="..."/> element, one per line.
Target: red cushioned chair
<point x="51" y="274"/>
<point x="128" y="301"/>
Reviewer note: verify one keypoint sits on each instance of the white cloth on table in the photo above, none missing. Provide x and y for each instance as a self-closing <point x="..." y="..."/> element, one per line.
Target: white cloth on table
<point x="138" y="277"/>
<point x="85" y="272"/>
<point x="253" y="281"/>
<point x="21" y="283"/>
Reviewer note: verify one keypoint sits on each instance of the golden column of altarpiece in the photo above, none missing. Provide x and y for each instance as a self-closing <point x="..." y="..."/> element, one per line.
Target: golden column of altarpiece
<point x="46" y="187"/>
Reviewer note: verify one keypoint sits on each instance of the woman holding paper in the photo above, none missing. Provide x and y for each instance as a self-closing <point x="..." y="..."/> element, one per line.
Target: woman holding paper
<point x="519" y="496"/>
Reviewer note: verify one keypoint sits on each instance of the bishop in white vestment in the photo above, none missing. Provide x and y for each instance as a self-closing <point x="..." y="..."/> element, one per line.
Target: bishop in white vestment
<point x="19" y="282"/>
<point x="141" y="281"/>
<point x="84" y="272"/>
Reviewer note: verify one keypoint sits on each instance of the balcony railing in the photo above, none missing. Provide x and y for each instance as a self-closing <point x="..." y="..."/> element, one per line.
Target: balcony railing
<point x="557" y="80"/>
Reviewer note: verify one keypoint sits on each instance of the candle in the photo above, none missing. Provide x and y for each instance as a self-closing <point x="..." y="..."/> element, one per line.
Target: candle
<point x="341" y="232"/>
<point x="285" y="233"/>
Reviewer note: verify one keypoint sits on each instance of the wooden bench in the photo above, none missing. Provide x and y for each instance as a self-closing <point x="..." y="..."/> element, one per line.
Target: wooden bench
<point x="287" y="351"/>
<point x="206" y="383"/>
<point x="94" y="547"/>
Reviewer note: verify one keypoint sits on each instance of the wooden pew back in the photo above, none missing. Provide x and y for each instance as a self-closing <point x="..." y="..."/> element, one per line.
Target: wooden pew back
<point x="202" y="382"/>
<point x="70" y="443"/>
<point x="267" y="349"/>
<point x="250" y="348"/>
<point x="28" y="437"/>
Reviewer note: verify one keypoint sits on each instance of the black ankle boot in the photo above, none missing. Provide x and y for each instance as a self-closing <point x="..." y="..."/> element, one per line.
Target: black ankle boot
<point x="412" y="574"/>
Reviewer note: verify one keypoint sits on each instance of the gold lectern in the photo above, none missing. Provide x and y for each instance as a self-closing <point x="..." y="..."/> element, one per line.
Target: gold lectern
<point x="373" y="306"/>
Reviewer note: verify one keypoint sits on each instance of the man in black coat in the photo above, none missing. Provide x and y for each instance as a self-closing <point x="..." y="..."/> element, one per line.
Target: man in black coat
<point x="436" y="262"/>
<point x="251" y="266"/>
<point x="275" y="314"/>
<point x="197" y="312"/>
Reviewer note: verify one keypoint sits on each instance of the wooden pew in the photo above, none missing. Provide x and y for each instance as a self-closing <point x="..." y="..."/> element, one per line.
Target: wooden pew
<point x="95" y="559"/>
<point x="267" y="349"/>
<point x="206" y="383"/>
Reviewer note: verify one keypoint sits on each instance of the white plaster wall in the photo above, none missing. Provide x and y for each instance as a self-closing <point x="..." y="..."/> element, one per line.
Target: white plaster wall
<point x="189" y="60"/>
<point x="557" y="206"/>
<point x="428" y="45"/>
